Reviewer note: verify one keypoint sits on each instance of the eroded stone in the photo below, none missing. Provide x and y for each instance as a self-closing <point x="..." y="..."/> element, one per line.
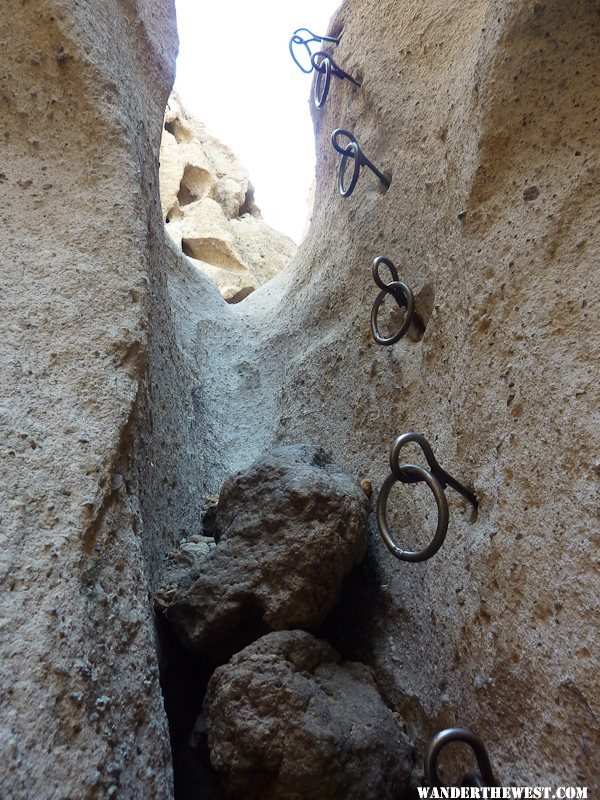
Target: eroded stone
<point x="288" y="529"/>
<point x="209" y="209"/>
<point x="288" y="719"/>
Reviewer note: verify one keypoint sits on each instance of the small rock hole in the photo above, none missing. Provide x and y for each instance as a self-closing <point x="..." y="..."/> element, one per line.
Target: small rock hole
<point x="248" y="206"/>
<point x="382" y="187"/>
<point x="424" y="302"/>
<point x="471" y="513"/>
<point x="194" y="185"/>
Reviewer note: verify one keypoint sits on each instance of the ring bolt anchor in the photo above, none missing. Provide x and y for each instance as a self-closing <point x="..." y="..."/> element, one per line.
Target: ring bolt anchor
<point x="325" y="67"/>
<point x="485" y="776"/>
<point x="402" y="294"/>
<point x="301" y="41"/>
<point x="353" y="152"/>
<point x="436" y="478"/>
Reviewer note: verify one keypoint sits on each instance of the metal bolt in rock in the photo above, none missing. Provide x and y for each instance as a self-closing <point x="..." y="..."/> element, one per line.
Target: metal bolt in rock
<point x="303" y="38"/>
<point x="325" y="67"/>
<point x="353" y="151"/>
<point x="400" y="292"/>
<point x="436" y="478"/>
<point x="485" y="777"/>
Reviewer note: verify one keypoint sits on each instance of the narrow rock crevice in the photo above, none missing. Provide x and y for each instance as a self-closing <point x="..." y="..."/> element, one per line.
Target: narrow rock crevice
<point x="295" y="362"/>
<point x="286" y="532"/>
<point x="184" y="678"/>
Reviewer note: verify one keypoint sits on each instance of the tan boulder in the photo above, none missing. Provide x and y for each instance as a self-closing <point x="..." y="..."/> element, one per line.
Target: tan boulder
<point x="209" y="209"/>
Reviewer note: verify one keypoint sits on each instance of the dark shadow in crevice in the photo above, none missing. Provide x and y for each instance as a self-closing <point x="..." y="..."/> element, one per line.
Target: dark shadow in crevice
<point x="184" y="678"/>
<point x="248" y="206"/>
<point x="351" y="626"/>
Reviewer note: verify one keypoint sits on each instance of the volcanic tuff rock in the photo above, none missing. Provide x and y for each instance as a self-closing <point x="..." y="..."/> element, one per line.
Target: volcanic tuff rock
<point x="287" y="529"/>
<point x="209" y="210"/>
<point x="486" y="113"/>
<point x="289" y="720"/>
<point x="469" y="105"/>
<point x="81" y="711"/>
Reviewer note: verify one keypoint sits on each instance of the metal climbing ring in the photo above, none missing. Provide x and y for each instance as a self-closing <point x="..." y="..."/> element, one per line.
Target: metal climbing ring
<point x="402" y="294"/>
<point x="443" y="477"/>
<point x="323" y="79"/>
<point x="298" y="41"/>
<point x="414" y="474"/>
<point x="352" y="150"/>
<point x="436" y="478"/>
<point x="325" y="68"/>
<point x="443" y="738"/>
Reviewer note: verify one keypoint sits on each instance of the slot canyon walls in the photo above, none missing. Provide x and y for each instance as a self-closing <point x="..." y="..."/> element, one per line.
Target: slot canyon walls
<point x="487" y="114"/>
<point x="83" y="91"/>
<point x="131" y="389"/>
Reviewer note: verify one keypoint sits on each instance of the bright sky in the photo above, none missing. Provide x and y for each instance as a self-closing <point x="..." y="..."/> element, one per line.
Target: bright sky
<point x="235" y="73"/>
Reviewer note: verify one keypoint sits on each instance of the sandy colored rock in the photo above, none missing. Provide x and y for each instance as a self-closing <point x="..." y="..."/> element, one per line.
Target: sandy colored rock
<point x="209" y="209"/>
<point x="486" y="116"/>
<point x="288" y="529"/>
<point x="468" y="106"/>
<point x="288" y="719"/>
<point x="81" y="240"/>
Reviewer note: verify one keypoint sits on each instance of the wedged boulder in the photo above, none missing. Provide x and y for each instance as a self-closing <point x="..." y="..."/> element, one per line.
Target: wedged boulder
<point x="288" y="529"/>
<point x="287" y="719"/>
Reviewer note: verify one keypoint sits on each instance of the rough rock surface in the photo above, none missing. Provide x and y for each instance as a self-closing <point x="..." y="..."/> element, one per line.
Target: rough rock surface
<point x="81" y="711"/>
<point x="486" y="113"/>
<point x="287" y="719"/>
<point x="469" y="106"/>
<point x="209" y="209"/>
<point x="188" y="556"/>
<point x="288" y="530"/>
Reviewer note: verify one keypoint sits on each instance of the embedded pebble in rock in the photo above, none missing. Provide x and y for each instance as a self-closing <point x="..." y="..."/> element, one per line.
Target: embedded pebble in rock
<point x="288" y="719"/>
<point x="288" y="529"/>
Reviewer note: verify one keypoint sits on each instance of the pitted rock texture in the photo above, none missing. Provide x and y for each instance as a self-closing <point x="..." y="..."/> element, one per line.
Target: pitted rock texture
<point x="209" y="209"/>
<point x="486" y="114"/>
<point x="288" y="530"/>
<point x="287" y="719"/>
<point x="470" y="106"/>
<point x="81" y="710"/>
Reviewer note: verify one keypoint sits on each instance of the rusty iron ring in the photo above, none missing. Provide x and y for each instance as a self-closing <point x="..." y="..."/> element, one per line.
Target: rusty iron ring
<point x="325" y="68"/>
<point x="464" y="735"/>
<point x="323" y="79"/>
<point x="443" y="477"/>
<point x="413" y="473"/>
<point x="352" y="150"/>
<point x="436" y="478"/>
<point x="402" y="294"/>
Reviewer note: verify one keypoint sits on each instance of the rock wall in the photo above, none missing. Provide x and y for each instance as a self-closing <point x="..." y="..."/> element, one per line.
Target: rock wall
<point x="209" y="209"/>
<point x="486" y="114"/>
<point x="81" y="711"/>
